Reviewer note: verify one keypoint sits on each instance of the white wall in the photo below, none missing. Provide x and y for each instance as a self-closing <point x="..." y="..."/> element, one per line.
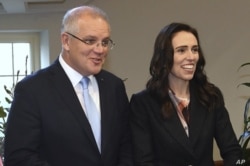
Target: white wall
<point x="223" y="27"/>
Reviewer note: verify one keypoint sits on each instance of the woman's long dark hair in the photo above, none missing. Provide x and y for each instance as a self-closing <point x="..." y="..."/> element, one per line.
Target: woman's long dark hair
<point x="162" y="62"/>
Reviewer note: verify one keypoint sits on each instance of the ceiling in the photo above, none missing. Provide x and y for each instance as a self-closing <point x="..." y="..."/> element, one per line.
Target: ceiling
<point x="38" y="6"/>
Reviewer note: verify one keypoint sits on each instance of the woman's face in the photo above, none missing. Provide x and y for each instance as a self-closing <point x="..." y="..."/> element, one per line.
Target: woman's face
<point x="185" y="58"/>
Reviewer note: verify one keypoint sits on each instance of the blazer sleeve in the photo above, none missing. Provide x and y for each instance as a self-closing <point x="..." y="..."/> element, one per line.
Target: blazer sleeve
<point x="141" y="135"/>
<point x="225" y="137"/>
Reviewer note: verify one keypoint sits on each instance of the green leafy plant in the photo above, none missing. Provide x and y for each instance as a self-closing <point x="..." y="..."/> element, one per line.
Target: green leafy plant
<point x="244" y="139"/>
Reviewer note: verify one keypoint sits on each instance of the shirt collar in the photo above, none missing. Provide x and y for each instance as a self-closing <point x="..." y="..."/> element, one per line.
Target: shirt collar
<point x="74" y="76"/>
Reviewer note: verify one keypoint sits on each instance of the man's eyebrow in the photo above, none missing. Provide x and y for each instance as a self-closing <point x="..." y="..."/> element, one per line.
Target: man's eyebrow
<point x="89" y="36"/>
<point x="94" y="37"/>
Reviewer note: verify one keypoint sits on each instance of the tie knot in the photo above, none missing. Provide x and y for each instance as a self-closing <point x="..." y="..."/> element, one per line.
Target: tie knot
<point x="85" y="82"/>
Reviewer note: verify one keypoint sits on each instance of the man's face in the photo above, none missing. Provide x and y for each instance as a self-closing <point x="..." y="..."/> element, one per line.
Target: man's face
<point x="88" y="55"/>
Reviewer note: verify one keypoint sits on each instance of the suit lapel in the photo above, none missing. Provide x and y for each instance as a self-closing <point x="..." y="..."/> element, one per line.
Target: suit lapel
<point x="67" y="93"/>
<point x="106" y="110"/>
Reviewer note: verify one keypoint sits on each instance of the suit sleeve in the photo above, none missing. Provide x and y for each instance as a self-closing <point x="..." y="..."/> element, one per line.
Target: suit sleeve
<point x="125" y="156"/>
<point x="23" y="133"/>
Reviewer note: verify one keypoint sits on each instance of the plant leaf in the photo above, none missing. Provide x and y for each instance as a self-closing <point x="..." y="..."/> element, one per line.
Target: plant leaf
<point x="8" y="100"/>
<point x="244" y="64"/>
<point x="244" y="147"/>
<point x="245" y="84"/>
<point x="2" y="112"/>
<point x="7" y="90"/>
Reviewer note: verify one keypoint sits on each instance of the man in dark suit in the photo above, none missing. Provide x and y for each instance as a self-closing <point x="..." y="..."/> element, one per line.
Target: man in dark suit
<point x="48" y="124"/>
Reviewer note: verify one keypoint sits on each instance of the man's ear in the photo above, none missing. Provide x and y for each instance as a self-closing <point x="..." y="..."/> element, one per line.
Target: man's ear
<point x="65" y="39"/>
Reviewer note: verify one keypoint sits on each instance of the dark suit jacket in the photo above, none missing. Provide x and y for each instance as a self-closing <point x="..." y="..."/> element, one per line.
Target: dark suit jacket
<point x="47" y="126"/>
<point x="163" y="142"/>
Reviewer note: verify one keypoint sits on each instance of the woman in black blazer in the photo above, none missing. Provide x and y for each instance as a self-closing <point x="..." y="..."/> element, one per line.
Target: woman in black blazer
<point x="175" y="119"/>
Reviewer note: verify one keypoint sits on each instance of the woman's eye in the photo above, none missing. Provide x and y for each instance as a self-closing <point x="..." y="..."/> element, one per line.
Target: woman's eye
<point x="181" y="50"/>
<point x="195" y="50"/>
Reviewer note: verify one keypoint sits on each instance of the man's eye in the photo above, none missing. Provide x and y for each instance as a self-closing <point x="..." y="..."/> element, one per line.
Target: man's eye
<point x="105" y="43"/>
<point x="90" y="41"/>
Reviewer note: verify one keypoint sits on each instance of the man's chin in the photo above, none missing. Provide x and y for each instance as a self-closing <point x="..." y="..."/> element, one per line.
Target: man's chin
<point x="96" y="71"/>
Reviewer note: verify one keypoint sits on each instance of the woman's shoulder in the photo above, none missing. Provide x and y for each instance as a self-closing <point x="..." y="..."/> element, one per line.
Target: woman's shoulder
<point x="143" y="96"/>
<point x="143" y="93"/>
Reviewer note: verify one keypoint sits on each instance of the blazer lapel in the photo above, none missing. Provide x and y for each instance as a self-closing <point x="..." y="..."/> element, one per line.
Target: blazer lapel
<point x="174" y="127"/>
<point x="67" y="93"/>
<point x="197" y="119"/>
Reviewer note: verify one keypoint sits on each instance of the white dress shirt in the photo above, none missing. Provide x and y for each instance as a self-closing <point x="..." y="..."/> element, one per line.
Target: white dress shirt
<point x="75" y="79"/>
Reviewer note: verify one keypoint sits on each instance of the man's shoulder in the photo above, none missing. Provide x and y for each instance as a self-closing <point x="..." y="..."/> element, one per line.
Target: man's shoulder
<point x="104" y="74"/>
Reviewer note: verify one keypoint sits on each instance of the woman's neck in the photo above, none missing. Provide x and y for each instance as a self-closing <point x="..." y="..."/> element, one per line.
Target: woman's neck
<point x="180" y="89"/>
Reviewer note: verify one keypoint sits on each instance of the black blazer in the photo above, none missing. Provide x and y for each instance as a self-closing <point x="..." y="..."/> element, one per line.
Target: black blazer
<point x="47" y="126"/>
<point x="162" y="141"/>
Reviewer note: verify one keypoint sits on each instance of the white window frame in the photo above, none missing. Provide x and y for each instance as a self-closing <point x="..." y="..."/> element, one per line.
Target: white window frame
<point x="25" y="37"/>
